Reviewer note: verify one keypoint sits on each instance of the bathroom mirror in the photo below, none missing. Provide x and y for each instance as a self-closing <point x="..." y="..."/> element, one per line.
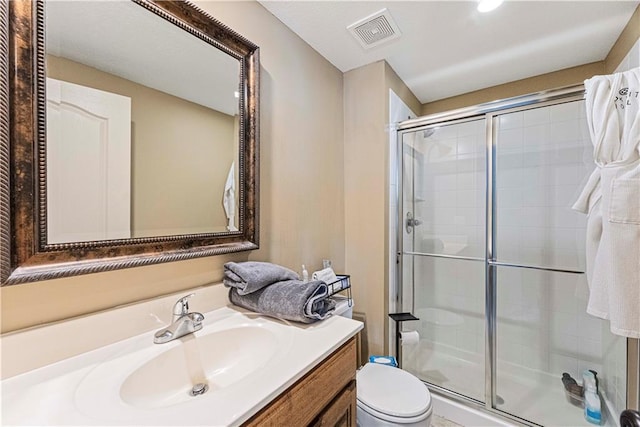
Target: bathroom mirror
<point x="129" y="137"/>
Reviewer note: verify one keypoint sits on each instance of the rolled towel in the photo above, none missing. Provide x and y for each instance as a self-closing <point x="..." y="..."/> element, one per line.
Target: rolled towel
<point x="326" y="275"/>
<point x="290" y="300"/>
<point x="252" y="276"/>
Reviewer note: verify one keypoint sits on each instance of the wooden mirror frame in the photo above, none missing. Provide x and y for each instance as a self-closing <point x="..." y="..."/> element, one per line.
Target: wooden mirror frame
<point x="25" y="255"/>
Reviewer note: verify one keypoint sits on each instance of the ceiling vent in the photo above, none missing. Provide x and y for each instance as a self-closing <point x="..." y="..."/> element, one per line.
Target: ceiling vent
<point x="375" y="29"/>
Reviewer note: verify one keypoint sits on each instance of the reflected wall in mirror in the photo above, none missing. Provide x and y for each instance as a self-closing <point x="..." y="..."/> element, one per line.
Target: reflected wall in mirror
<point x="145" y="144"/>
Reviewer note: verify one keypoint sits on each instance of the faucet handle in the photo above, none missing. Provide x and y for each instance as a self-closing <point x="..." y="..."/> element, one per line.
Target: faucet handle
<point x="181" y="307"/>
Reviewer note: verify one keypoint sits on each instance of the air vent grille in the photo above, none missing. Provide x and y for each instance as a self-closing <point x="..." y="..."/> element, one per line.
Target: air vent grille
<point x="375" y="29"/>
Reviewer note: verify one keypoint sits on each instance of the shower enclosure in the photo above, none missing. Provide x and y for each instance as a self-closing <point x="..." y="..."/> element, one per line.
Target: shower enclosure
<point x="491" y="259"/>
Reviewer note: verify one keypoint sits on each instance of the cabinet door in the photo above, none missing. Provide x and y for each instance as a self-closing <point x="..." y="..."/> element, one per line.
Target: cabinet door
<point x="341" y="412"/>
<point x="306" y="402"/>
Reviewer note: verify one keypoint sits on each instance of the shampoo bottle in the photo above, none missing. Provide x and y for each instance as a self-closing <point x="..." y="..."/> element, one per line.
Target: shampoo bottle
<point x="592" y="410"/>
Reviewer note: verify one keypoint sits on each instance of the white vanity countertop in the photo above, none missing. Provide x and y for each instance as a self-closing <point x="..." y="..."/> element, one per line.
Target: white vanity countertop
<point x="88" y="389"/>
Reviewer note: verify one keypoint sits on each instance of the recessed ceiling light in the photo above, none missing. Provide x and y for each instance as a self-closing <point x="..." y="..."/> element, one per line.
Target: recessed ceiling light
<point x="488" y="5"/>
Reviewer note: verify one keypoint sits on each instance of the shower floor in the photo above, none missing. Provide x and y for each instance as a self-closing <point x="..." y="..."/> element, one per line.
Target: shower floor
<point x="534" y="396"/>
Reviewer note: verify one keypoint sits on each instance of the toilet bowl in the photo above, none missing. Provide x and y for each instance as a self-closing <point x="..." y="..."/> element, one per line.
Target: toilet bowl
<point x="388" y="396"/>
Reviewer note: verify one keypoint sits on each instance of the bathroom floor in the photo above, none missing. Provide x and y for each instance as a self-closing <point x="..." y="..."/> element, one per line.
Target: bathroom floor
<point x="438" y="421"/>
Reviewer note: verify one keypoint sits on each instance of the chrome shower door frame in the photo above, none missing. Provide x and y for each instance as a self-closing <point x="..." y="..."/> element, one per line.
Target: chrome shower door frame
<point x="489" y="111"/>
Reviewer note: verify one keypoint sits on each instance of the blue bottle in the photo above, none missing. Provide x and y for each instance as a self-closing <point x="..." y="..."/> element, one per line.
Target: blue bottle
<point x="592" y="405"/>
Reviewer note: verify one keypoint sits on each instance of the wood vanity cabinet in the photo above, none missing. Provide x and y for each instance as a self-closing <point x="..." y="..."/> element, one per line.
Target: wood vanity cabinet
<point x="326" y="396"/>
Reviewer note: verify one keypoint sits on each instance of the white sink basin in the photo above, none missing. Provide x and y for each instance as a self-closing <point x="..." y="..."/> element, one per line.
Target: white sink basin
<point x="245" y="359"/>
<point x="218" y="359"/>
<point x="228" y="354"/>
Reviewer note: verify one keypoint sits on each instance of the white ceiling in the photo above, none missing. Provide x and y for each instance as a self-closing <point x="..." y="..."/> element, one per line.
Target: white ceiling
<point x="448" y="48"/>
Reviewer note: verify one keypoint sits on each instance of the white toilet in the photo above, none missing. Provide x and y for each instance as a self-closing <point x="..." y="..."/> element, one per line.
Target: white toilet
<point x="389" y="396"/>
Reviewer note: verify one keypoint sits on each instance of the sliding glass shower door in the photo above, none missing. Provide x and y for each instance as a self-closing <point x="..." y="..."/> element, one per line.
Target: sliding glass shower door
<point x="444" y="248"/>
<point x="492" y="261"/>
<point x="542" y="157"/>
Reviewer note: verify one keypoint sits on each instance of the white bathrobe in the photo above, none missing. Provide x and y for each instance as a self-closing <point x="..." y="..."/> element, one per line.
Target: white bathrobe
<point x="611" y="198"/>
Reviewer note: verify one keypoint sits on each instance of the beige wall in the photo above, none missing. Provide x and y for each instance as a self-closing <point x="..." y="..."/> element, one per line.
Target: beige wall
<point x="180" y="151"/>
<point x="302" y="198"/>
<point x="366" y="142"/>
<point x="628" y="38"/>
<point x="567" y="77"/>
<point x="365" y="195"/>
<point x="393" y="81"/>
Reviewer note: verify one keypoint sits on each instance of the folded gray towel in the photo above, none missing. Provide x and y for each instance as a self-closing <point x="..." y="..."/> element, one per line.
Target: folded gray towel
<point x="290" y="300"/>
<point x="252" y="276"/>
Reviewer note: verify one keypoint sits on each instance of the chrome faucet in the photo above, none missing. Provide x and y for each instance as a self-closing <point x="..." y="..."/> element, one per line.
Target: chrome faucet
<point x="183" y="322"/>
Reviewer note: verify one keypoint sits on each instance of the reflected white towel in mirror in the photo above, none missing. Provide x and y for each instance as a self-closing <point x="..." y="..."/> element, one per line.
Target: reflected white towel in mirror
<point x="229" y="199"/>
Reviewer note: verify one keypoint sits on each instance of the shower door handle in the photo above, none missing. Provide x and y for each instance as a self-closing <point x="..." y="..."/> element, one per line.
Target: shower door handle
<point x="411" y="222"/>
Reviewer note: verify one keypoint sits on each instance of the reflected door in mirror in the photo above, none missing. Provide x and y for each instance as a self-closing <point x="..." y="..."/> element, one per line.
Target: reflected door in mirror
<point x="88" y="164"/>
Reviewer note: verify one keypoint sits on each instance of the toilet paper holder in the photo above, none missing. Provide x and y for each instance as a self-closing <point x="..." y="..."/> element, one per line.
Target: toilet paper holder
<point x="399" y="318"/>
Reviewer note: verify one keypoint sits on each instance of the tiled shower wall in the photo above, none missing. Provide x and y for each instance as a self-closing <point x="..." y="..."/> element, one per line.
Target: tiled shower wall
<point x="543" y="160"/>
<point x="543" y="325"/>
<point x="449" y="191"/>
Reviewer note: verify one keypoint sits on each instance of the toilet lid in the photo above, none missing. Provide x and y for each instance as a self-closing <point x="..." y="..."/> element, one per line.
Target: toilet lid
<point x="392" y="391"/>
